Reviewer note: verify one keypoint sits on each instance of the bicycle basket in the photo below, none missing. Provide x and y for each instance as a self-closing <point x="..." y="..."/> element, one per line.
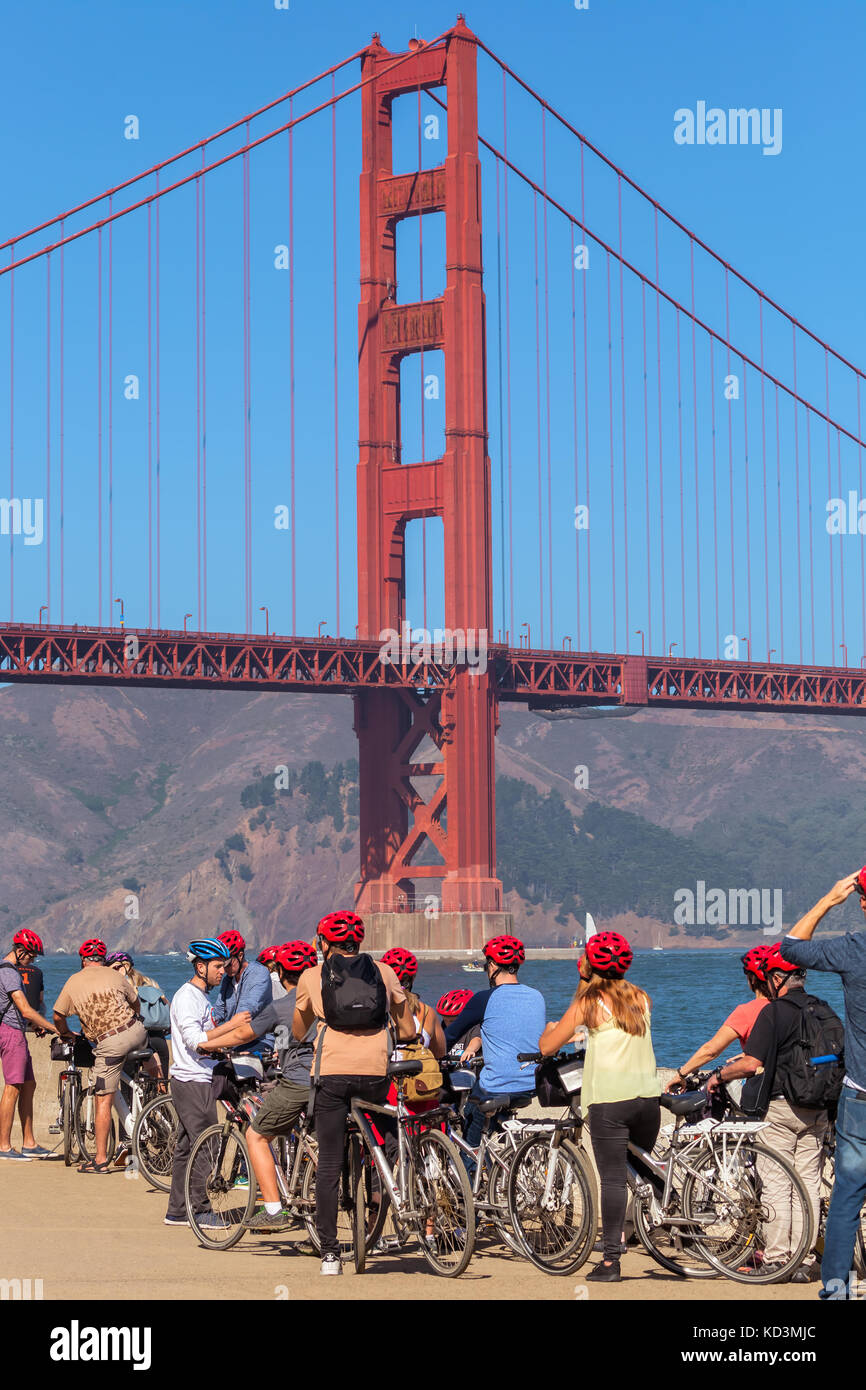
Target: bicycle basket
<point x="557" y="1082"/>
<point x="60" y="1050"/>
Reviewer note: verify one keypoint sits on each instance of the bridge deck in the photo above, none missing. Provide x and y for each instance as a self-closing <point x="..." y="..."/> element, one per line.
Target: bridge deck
<point x="327" y="665"/>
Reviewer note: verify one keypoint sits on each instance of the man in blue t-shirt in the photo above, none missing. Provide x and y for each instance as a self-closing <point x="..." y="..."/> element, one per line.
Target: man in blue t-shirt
<point x="512" y="1020"/>
<point x="846" y="957"/>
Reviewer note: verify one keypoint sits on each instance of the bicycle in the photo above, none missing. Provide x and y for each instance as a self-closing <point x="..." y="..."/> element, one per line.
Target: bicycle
<point x="495" y="1151"/>
<point x="134" y="1092"/>
<point x="427" y="1192"/>
<point x="77" y="1054"/>
<point x="550" y="1187"/>
<point x="702" y="1206"/>
<point x="219" y="1165"/>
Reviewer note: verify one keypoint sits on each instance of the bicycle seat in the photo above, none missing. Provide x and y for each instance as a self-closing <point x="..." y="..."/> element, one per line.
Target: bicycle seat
<point x="684" y="1102"/>
<point x="139" y="1054"/>
<point x="405" y="1068"/>
<point x="493" y="1107"/>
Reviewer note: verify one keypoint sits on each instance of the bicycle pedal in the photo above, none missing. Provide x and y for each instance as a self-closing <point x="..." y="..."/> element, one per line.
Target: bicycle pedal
<point x="55" y="1129"/>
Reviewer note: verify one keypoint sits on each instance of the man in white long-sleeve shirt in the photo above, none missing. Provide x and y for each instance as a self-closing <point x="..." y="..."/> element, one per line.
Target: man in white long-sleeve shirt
<point x="194" y="1088"/>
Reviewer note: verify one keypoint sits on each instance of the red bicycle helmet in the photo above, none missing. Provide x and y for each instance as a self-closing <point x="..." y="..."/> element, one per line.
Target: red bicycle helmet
<point x="295" y="956"/>
<point x="338" y="927"/>
<point x="609" y="954"/>
<point x="505" y="950"/>
<point x="860" y="885"/>
<point x="453" y="1003"/>
<point x="234" y="941"/>
<point x="403" y="963"/>
<point x="755" y="960"/>
<point x="775" y="961"/>
<point x="29" y="940"/>
<point x="92" y="947"/>
<point x="267" y="955"/>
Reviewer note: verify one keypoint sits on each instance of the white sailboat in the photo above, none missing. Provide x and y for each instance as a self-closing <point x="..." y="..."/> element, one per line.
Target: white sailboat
<point x="658" y="946"/>
<point x="591" y="929"/>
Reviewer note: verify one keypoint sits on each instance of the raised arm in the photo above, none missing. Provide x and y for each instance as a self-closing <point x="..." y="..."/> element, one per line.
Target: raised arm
<point x="837" y="894"/>
<point x="710" y="1050"/>
<point x="556" y="1035"/>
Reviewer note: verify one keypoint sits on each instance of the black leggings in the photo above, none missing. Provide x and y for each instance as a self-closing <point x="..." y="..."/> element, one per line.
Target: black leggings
<point x="160" y="1047"/>
<point x="611" y="1126"/>
<point x="334" y="1096"/>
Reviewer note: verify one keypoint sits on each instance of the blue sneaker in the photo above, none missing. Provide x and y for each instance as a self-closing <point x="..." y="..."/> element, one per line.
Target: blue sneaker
<point x="37" y="1152"/>
<point x="210" y="1219"/>
<point x="13" y="1153"/>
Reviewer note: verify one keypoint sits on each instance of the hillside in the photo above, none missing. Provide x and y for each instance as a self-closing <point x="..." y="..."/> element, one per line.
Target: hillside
<point x="164" y="802"/>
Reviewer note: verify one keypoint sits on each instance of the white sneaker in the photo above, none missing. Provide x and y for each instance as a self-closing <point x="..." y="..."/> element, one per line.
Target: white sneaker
<point x="331" y="1264"/>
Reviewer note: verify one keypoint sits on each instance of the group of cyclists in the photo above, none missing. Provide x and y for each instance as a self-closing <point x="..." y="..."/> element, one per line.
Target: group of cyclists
<point x="333" y="1019"/>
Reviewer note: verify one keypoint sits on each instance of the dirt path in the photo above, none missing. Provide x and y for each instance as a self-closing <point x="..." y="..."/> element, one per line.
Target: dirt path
<point x="103" y="1237"/>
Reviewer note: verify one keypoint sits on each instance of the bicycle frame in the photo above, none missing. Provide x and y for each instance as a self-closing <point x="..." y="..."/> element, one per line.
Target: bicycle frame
<point x="397" y="1189"/>
<point x="698" y="1137"/>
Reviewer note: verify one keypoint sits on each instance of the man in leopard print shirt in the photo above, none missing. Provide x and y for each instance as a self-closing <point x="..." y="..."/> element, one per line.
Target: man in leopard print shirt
<point x="106" y="1003"/>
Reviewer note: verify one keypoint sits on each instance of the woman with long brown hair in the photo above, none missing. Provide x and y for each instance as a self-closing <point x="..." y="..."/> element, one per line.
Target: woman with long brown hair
<point x="620" y="1091"/>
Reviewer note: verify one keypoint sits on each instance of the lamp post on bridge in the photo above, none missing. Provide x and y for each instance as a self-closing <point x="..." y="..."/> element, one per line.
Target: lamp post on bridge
<point x="748" y="642"/>
<point x="526" y="625"/>
<point x="264" y="609"/>
<point x="43" y="609"/>
<point x="845" y="650"/>
<point x="321" y="625"/>
<point x="770" y="655"/>
<point x="671" y="650"/>
<point x="185" y="617"/>
<point x="122" y="616"/>
<point x="638" y="632"/>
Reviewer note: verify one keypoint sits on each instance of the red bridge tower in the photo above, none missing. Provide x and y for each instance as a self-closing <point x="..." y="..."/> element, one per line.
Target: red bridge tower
<point x="457" y="818"/>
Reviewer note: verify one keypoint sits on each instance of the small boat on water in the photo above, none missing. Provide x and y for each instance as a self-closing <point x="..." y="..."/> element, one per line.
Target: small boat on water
<point x="172" y="953"/>
<point x="473" y="968"/>
<point x="658" y="946"/>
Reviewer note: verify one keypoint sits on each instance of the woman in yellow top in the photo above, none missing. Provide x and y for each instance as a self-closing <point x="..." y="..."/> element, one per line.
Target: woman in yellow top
<point x="620" y="1091"/>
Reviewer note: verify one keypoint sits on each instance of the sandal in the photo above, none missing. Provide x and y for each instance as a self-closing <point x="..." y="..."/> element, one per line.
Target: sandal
<point x="91" y="1166"/>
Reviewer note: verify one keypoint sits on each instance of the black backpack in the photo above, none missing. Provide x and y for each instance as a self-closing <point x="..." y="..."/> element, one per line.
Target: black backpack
<point x="810" y="1068"/>
<point x="353" y="992"/>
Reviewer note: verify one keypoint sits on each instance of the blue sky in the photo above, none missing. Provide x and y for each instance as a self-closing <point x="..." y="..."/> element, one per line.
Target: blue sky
<point x="618" y="71"/>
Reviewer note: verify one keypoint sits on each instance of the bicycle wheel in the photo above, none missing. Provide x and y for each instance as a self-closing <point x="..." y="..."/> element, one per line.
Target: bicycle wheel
<point x="743" y="1191"/>
<point x="672" y="1247"/>
<point x="85" y="1126"/>
<point x="551" y="1203"/>
<point x="68" y="1121"/>
<point x="358" y="1202"/>
<point x="442" y="1196"/>
<point x="153" y="1141"/>
<point x="377" y="1207"/>
<point x="216" y="1207"/>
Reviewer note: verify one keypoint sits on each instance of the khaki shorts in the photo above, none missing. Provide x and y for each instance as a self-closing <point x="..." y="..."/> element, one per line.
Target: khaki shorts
<point x="112" y="1053"/>
<point x="281" y="1109"/>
